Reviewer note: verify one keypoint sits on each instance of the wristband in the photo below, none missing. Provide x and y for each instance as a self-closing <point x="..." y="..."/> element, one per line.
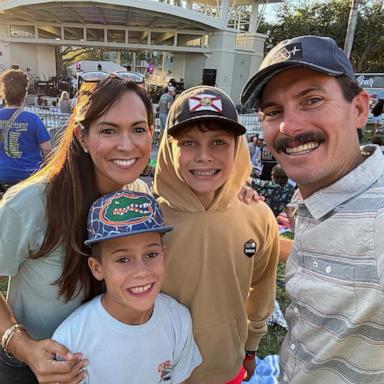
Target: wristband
<point x="250" y="355"/>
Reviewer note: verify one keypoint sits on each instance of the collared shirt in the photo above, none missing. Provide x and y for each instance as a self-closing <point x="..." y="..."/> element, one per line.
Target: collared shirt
<point x="335" y="278"/>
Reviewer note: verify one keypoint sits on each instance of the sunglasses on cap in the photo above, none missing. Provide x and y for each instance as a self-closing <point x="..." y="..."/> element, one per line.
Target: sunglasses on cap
<point x="97" y="76"/>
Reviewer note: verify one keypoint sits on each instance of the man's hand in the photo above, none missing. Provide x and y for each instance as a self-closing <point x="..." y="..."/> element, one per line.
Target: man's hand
<point x="248" y="195"/>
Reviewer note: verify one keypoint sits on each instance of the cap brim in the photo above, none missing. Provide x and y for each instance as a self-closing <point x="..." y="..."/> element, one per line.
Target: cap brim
<point x="234" y="126"/>
<point x="253" y="88"/>
<point x="164" y="229"/>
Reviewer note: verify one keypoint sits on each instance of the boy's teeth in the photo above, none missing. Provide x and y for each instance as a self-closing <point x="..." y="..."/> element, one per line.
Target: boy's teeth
<point x="124" y="163"/>
<point x="204" y="173"/>
<point x="140" y="289"/>
<point x="302" y="148"/>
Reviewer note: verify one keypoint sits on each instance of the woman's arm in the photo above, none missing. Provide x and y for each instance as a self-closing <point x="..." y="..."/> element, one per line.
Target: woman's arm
<point x="40" y="355"/>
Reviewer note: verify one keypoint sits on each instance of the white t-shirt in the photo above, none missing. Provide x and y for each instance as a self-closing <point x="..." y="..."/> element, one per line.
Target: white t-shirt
<point x="162" y="350"/>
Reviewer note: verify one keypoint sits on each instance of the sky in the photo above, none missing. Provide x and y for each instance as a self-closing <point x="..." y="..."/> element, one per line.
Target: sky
<point x="270" y="10"/>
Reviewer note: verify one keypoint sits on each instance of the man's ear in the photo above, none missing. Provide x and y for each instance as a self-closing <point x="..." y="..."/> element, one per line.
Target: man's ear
<point x="96" y="269"/>
<point x="361" y="109"/>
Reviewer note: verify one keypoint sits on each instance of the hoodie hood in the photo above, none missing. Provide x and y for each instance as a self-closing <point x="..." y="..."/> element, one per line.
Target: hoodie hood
<point x="171" y="189"/>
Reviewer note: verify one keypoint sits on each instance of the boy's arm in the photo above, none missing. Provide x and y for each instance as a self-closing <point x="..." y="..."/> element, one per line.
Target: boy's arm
<point x="261" y="298"/>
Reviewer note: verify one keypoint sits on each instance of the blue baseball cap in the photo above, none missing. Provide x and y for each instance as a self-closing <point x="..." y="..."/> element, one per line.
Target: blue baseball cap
<point x="124" y="213"/>
<point x="321" y="54"/>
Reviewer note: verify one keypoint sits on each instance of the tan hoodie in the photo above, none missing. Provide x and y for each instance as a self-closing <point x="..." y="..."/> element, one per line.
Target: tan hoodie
<point x="207" y="268"/>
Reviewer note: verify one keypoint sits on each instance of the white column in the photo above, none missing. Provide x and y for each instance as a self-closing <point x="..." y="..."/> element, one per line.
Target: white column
<point x="134" y="61"/>
<point x="253" y="18"/>
<point x="225" y="12"/>
<point x="163" y="61"/>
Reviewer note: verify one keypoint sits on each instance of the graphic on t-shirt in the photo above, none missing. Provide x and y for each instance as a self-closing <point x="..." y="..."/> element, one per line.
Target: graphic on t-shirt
<point x="126" y="209"/>
<point x="165" y="371"/>
<point x="9" y="138"/>
<point x="250" y="248"/>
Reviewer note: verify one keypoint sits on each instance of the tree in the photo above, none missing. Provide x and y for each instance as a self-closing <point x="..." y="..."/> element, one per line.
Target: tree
<point x="331" y="19"/>
<point x="352" y="20"/>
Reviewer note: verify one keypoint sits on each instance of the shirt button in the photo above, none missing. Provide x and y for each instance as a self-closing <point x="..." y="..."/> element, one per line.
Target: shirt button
<point x="295" y="310"/>
<point x="328" y="269"/>
<point x="292" y="346"/>
<point x="285" y="378"/>
<point x="315" y="264"/>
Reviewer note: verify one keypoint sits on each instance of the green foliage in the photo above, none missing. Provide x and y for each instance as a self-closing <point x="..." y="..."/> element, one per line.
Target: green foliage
<point x="3" y="285"/>
<point x="330" y="18"/>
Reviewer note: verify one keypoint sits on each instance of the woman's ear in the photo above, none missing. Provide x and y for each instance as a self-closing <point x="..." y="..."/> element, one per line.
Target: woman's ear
<point x="80" y="136"/>
<point x="96" y="268"/>
<point x="77" y="132"/>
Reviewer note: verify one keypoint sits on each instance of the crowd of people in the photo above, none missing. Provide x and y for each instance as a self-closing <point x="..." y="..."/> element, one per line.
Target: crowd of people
<point x="110" y="281"/>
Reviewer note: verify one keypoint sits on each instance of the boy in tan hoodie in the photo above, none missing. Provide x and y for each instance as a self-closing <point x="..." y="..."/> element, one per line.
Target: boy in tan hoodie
<point x="222" y="255"/>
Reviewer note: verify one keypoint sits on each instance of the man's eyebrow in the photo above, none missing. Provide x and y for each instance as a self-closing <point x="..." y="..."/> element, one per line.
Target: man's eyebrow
<point x="298" y="95"/>
<point x="311" y="89"/>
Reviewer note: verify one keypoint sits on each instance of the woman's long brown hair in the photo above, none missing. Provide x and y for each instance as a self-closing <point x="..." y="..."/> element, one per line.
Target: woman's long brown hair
<point x="71" y="186"/>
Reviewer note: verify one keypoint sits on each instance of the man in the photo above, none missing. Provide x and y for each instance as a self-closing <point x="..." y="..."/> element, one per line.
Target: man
<point x="165" y="102"/>
<point x="24" y="139"/>
<point x="254" y="146"/>
<point x="312" y="108"/>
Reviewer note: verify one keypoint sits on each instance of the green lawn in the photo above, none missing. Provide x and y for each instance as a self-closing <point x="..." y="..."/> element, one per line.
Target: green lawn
<point x="3" y="285"/>
<point x="271" y="342"/>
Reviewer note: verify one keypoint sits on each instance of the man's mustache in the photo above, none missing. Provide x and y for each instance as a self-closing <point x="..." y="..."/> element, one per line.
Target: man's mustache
<point x="288" y="142"/>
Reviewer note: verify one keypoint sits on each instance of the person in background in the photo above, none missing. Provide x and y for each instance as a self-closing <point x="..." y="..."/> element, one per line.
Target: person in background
<point x="222" y="255"/>
<point x="24" y="140"/>
<point x="377" y="112"/>
<point x="312" y="106"/>
<point x="150" y="329"/>
<point x="65" y="103"/>
<point x="254" y="146"/>
<point x="378" y="141"/>
<point x="54" y="108"/>
<point x="165" y="102"/>
<point x="277" y="191"/>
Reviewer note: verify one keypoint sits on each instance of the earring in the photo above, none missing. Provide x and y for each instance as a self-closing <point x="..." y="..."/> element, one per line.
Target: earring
<point x="85" y="150"/>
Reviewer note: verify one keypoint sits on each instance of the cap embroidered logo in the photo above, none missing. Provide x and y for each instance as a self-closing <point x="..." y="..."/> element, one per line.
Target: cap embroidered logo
<point x="125" y="210"/>
<point x="205" y="102"/>
<point x="290" y="52"/>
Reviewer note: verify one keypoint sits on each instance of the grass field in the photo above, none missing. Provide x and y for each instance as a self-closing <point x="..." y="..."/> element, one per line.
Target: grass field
<point x="3" y="285"/>
<point x="271" y="342"/>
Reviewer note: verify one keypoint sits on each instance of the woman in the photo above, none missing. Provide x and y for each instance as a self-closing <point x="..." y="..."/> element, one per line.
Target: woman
<point x="24" y="140"/>
<point x="43" y="220"/>
<point x="65" y="103"/>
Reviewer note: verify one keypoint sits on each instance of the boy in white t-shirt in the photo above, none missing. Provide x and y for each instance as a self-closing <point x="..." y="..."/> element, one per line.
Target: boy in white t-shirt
<point x="132" y="333"/>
